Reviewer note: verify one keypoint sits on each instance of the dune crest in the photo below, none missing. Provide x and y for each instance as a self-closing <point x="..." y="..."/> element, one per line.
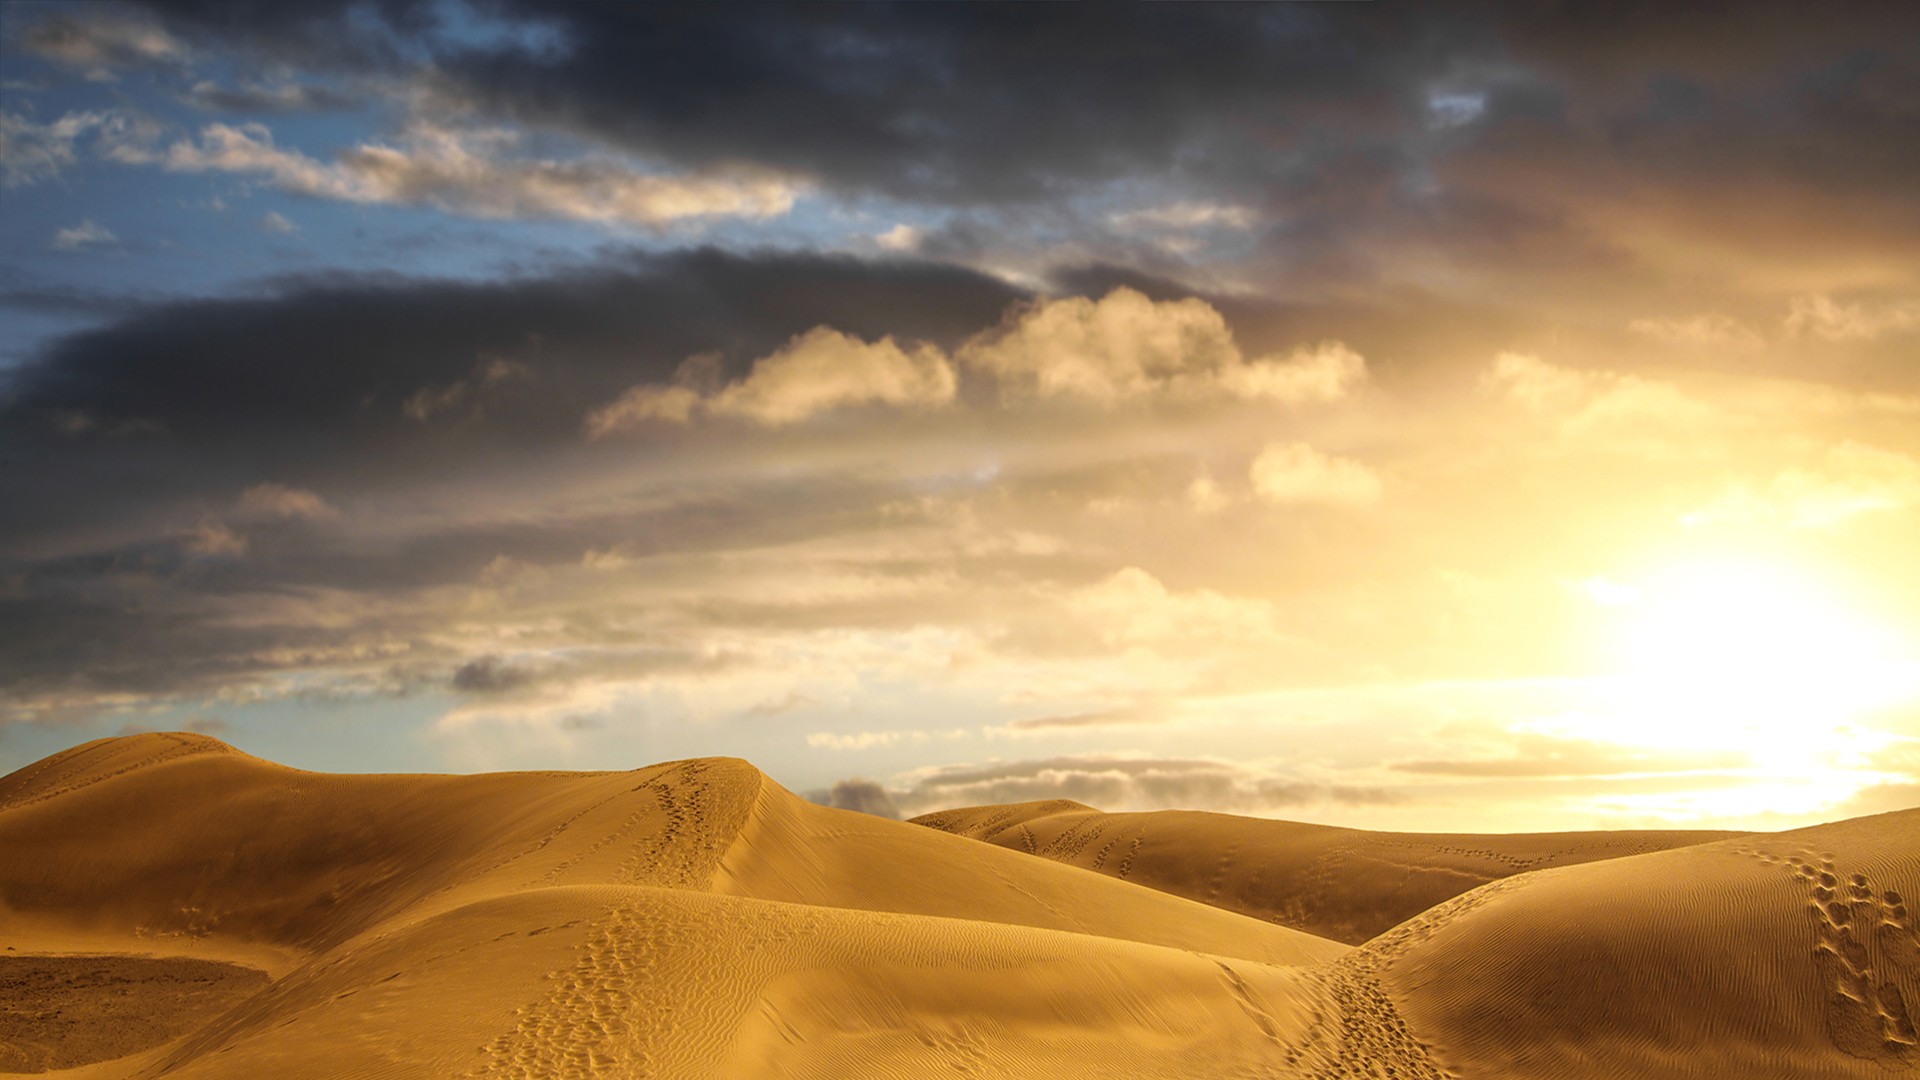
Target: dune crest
<point x="1346" y="884"/>
<point x="1794" y="953"/>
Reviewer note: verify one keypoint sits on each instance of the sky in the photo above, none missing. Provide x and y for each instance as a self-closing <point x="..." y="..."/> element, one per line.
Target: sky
<point x="1496" y="416"/>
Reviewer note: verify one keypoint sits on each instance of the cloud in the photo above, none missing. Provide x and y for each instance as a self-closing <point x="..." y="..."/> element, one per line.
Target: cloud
<point x="815" y="372"/>
<point x="1121" y="346"/>
<point x="901" y="237"/>
<point x="277" y="501"/>
<point x="827" y="740"/>
<point x="1187" y="215"/>
<point x="102" y="41"/>
<point x="1533" y="382"/>
<point x="1133" y="608"/>
<point x="272" y="222"/>
<point x="472" y="173"/>
<point x="276" y="97"/>
<point x="489" y="675"/>
<point x="1710" y="330"/>
<point x="825" y="369"/>
<point x="1289" y="473"/>
<point x="86" y="233"/>
<point x="1821" y="316"/>
<point x="640" y="405"/>
<point x="1101" y="718"/>
<point x="491" y="377"/>
<point x="1606" y="406"/>
<point x="1499" y="153"/>
<point x="364" y="359"/>
<point x="214" y="538"/>
<point x="1535" y="755"/>
<point x="1325" y="372"/>
<point x="1852" y="479"/>
<point x="1126" y="346"/>
<point x="885" y="116"/>
<point x="1206" y="497"/>
<point x="31" y="153"/>
<point x="861" y="796"/>
<point x="1120" y="784"/>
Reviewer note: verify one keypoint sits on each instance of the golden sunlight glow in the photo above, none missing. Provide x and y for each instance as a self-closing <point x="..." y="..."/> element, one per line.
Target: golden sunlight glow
<point x="1755" y="658"/>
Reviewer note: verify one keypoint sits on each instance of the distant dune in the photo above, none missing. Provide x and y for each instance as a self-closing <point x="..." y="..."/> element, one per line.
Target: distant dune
<point x="1346" y="884"/>
<point x="172" y="907"/>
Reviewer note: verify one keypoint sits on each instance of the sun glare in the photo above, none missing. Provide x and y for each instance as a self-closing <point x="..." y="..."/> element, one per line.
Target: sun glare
<point x="1757" y="658"/>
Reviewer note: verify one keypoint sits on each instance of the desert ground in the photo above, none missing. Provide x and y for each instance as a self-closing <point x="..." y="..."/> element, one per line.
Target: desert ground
<point x="170" y="906"/>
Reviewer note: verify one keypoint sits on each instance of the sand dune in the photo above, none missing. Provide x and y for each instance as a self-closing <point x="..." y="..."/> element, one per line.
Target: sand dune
<point x="693" y="919"/>
<point x="411" y="921"/>
<point x="1346" y="884"/>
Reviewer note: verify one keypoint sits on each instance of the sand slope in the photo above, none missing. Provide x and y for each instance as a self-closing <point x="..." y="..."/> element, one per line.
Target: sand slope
<point x="1346" y="884"/>
<point x="692" y="919"/>
<point x="1780" y="955"/>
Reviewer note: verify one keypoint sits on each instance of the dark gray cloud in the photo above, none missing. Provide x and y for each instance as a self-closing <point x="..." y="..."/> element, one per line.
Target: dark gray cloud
<point x="362" y="380"/>
<point x="195" y="455"/>
<point x="1122" y="784"/>
<point x="489" y="675"/>
<point x="862" y="796"/>
<point x="952" y="103"/>
<point x="1314" y="111"/>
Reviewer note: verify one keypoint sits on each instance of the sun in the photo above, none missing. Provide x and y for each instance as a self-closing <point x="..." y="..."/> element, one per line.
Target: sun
<point x="1756" y="657"/>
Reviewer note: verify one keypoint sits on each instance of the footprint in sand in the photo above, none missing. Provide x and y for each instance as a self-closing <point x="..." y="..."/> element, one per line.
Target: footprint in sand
<point x="1866" y="1011"/>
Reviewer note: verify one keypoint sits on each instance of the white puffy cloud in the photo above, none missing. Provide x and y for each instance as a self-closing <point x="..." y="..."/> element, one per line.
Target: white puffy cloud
<point x="1325" y="372"/>
<point x="1121" y="346"/>
<point x="1298" y="473"/>
<point x="1126" y="346"/>
<point x="473" y="173"/>
<point x="817" y="371"/>
<point x="825" y="369"/>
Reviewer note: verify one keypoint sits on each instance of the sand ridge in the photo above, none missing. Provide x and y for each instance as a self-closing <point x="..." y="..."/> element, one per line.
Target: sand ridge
<point x="1789" y="954"/>
<point x="694" y="919"/>
<point x="1346" y="884"/>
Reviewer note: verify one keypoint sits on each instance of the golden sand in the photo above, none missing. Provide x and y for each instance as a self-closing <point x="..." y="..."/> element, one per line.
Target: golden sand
<point x="170" y="906"/>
